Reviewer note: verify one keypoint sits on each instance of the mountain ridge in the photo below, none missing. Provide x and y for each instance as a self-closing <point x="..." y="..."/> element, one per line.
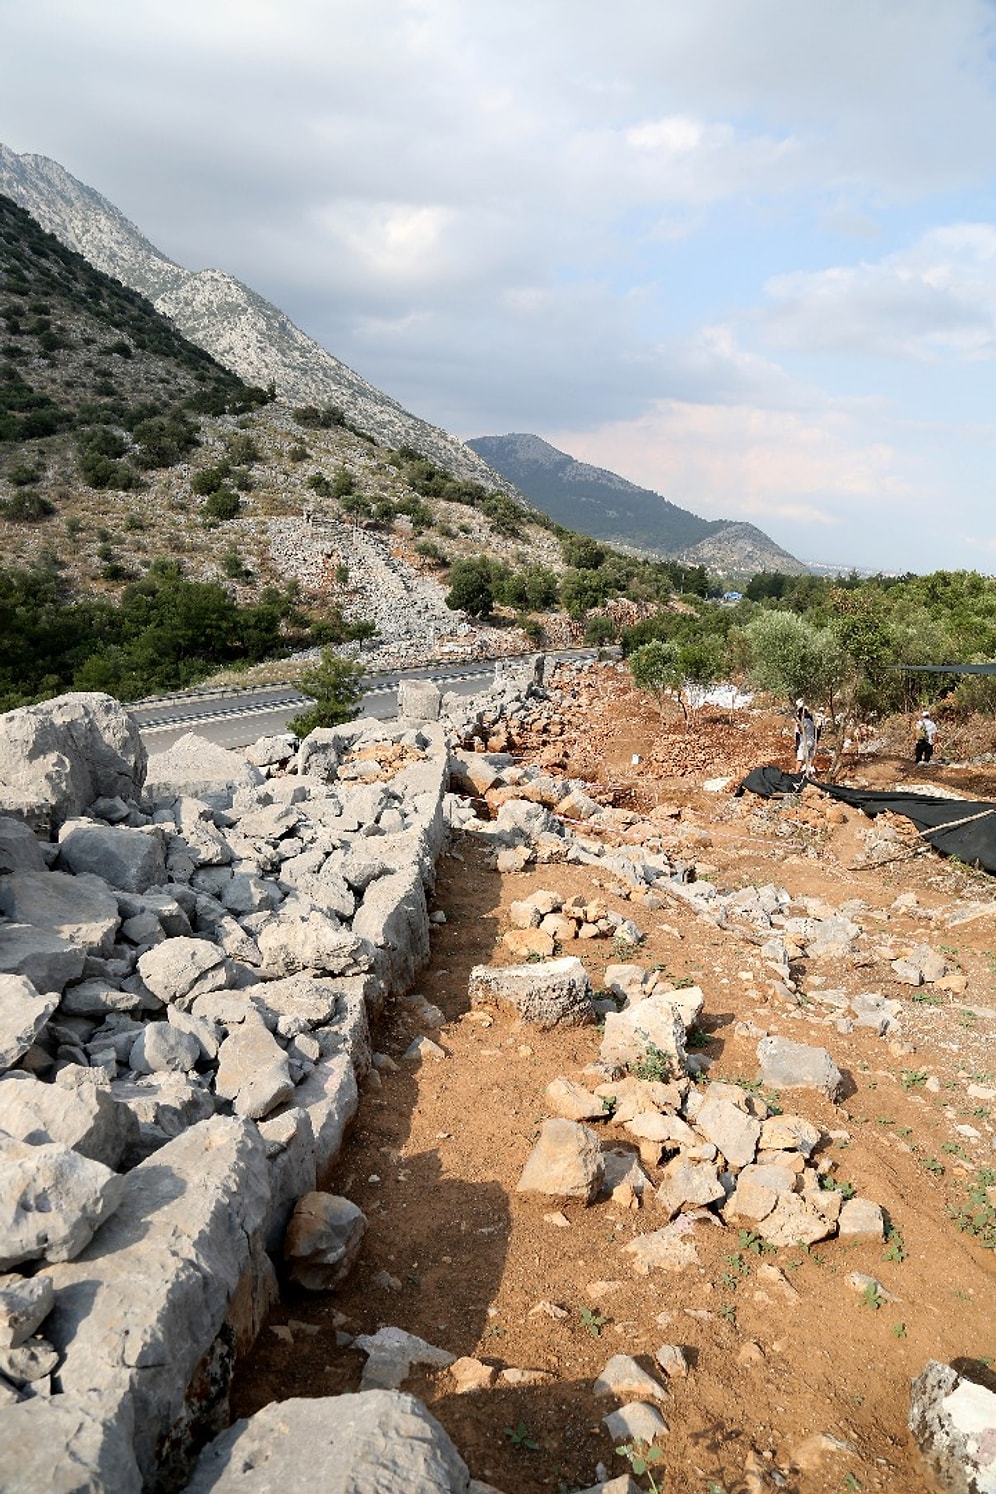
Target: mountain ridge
<point x="238" y="326"/>
<point x="610" y="507"/>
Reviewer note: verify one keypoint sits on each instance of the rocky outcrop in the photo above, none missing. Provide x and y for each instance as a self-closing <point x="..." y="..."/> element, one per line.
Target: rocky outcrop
<point x="184" y="1021"/>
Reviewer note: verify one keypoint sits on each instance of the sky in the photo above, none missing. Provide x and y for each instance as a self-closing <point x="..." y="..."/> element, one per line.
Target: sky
<point x="742" y="252"/>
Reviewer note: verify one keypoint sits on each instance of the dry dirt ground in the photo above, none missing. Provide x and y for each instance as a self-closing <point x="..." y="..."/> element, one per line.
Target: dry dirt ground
<point x="436" y="1151"/>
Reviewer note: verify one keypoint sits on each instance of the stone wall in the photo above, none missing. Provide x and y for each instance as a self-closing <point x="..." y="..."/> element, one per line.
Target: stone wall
<point x="189" y="959"/>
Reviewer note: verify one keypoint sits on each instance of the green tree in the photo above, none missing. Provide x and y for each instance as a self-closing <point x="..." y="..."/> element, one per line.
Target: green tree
<point x="791" y="657"/>
<point x="336" y="685"/>
<point x="471" y="587"/>
<point x="654" y="668"/>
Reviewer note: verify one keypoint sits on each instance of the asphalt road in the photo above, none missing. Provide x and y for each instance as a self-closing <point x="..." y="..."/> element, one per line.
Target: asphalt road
<point x="235" y="718"/>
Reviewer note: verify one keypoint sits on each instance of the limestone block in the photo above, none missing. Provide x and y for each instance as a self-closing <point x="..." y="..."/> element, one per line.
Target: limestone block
<point x="20" y="850"/>
<point x="667" y="1249"/>
<point x="67" y="1445"/>
<point x="299" y="937"/>
<point x="554" y="994"/>
<point x="861" y="1219"/>
<point x="330" y="1096"/>
<point x="731" y="1129"/>
<point x="788" y="1065"/>
<point x="566" y="1162"/>
<point x="23" y="1015"/>
<point x="953" y="1422"/>
<point x="163" y="1105"/>
<point x="391" y="1354"/>
<point x="25" y="1303"/>
<point x="52" y="1201"/>
<point x="688" y="1185"/>
<point x="418" y="700"/>
<point x="196" y="768"/>
<point x="394" y="919"/>
<point x="133" y="860"/>
<point x="136" y="1314"/>
<point x="795" y="1221"/>
<point x="323" y="1240"/>
<point x="789" y="1133"/>
<point x="84" y="1117"/>
<point x="180" y="970"/>
<point x="57" y="757"/>
<point x="651" y="1023"/>
<point x="573" y="1102"/>
<point x="161" y="1047"/>
<point x="627" y="1380"/>
<point x="44" y="959"/>
<point x="378" y="1441"/>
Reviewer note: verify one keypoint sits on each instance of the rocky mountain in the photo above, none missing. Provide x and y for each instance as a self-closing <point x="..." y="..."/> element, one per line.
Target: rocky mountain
<point x="244" y="332"/>
<point x="607" y="506"/>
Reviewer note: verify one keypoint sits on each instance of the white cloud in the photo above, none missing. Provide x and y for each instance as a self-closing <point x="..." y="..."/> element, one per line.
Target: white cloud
<point x="935" y="299"/>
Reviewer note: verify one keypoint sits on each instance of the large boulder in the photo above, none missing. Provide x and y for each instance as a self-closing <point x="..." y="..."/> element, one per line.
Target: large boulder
<point x="44" y="959"/>
<point x="23" y="1014"/>
<point x="556" y="993"/>
<point x="788" y="1065"/>
<point x="81" y="909"/>
<point x="58" y="757"/>
<point x="378" y="1441"/>
<point x="182" y="969"/>
<point x="20" y="849"/>
<point x="132" y="860"/>
<point x="83" y="1116"/>
<point x="953" y="1421"/>
<point x="323" y="1240"/>
<point x="566" y="1162"/>
<point x="195" y="768"/>
<point x="52" y="1201"/>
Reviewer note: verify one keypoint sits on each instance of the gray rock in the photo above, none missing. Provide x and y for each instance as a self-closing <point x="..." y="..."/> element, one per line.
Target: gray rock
<point x="99" y="998"/>
<point x="25" y="1303"/>
<point x="688" y="1185"/>
<point x="195" y="768"/>
<point x="788" y="1065"/>
<point x="380" y="1442"/>
<point x="82" y="909"/>
<point x="180" y="970"/>
<point x="627" y="1380"/>
<point x="130" y="859"/>
<point x="953" y="1421"/>
<point x="566" y="1162"/>
<point x="47" y="961"/>
<point x="160" y="1047"/>
<point x="556" y="993"/>
<point x="28" y="1362"/>
<point x="164" y="1106"/>
<point x="418" y="700"/>
<point x="391" y="1354"/>
<point x="861" y="1219"/>
<point x="795" y="1221"/>
<point x="23" y="1015"/>
<point x="573" y="1101"/>
<point x="253" y="1071"/>
<point x="68" y="1445"/>
<point x="271" y="752"/>
<point x="323" y="1240"/>
<point x="653" y="1023"/>
<point x="668" y="1249"/>
<point x="636" y="1422"/>
<point x="84" y="1117"/>
<point x="52" y="1201"/>
<point x="20" y="850"/>
<point x="135" y="1316"/>
<point x="730" y="1128"/>
<point x="56" y="758"/>
<point x="299" y="937"/>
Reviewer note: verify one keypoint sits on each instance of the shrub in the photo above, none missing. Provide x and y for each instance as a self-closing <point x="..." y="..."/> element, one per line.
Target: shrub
<point x="23" y="474"/>
<point x="27" y="508"/>
<point x="599" y="631"/>
<point x="471" y="587"/>
<point x="222" y="505"/>
<point x="336" y="686"/>
<point x="210" y="479"/>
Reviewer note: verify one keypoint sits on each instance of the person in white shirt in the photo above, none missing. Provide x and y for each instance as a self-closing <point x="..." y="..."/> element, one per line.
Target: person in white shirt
<point x="926" y="734"/>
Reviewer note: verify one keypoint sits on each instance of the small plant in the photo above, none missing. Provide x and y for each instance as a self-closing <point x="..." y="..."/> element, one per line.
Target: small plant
<point x="837" y="1185"/>
<point x="851" y="1482"/>
<point x="899" y="1330"/>
<point x="609" y="1103"/>
<point x="748" y="1239"/>
<point x="520" y="1439"/>
<point x="655" y="1064"/>
<point x="872" y="1297"/>
<point x="895" y="1248"/>
<point x="934" y="1167"/>
<point x="593" y="1322"/>
<point x="926" y="998"/>
<point x="642" y="1458"/>
<point x="913" y="1078"/>
<point x="696" y="1038"/>
<point x="977" y="1215"/>
<point x="729" y="1314"/>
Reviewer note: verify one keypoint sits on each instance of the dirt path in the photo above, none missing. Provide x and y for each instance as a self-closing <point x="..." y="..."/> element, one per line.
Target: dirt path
<point x="455" y="1256"/>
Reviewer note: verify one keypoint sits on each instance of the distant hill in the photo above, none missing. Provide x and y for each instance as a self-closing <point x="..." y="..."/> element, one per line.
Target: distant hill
<point x="607" y="506"/>
<point x="244" y="332"/>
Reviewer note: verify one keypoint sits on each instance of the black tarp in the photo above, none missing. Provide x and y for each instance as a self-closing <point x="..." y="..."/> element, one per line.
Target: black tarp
<point x="771" y="783"/>
<point x="965" y="828"/>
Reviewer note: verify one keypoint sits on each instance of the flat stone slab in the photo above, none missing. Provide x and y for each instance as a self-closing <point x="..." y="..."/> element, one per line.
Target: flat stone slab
<point x="379" y="1441"/>
<point x="788" y="1065"/>
<point x="555" y="993"/>
<point x="23" y="1015"/>
<point x="391" y="1353"/>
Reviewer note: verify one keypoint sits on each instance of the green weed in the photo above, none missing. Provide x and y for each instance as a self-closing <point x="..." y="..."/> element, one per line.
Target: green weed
<point x="520" y="1439"/>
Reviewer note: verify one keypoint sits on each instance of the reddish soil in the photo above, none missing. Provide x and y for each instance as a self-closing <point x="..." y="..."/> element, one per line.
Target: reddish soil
<point x="435" y="1154"/>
